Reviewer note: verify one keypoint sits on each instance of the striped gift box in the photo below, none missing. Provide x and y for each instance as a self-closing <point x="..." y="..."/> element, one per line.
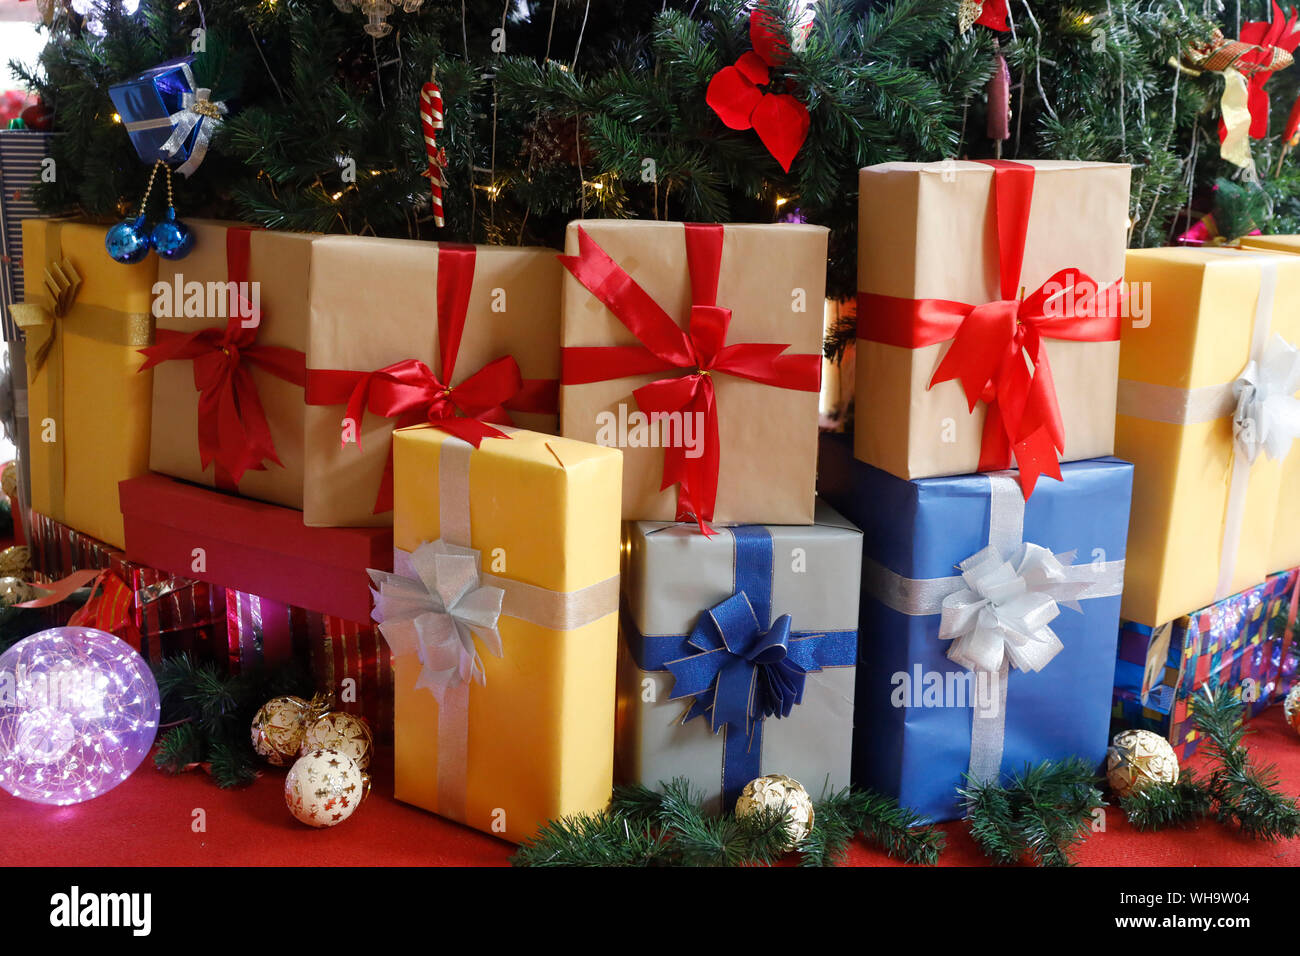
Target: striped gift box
<point x="21" y="152"/>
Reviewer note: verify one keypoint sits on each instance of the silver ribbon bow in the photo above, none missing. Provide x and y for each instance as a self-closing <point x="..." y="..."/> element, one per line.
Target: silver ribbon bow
<point x="196" y="107"/>
<point x="1267" y="417"/>
<point x="434" y="603"/>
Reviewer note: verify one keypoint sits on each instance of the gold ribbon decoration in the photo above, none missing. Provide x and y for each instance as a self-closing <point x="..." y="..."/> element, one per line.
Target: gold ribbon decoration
<point x="1234" y="107"/>
<point x="39" y="320"/>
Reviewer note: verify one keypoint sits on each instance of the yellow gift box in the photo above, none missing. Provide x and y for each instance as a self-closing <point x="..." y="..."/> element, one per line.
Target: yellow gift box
<point x="508" y="723"/>
<point x="89" y="405"/>
<point x="1203" y="513"/>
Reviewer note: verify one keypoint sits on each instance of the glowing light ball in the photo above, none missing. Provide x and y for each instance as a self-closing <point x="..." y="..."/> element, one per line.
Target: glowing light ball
<point x="78" y="712"/>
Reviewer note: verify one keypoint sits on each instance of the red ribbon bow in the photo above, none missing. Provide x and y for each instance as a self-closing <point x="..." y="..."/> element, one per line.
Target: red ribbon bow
<point x="410" y="392"/>
<point x="779" y="119"/>
<point x="1258" y="64"/>
<point x="990" y="342"/>
<point x="233" y="431"/>
<point x="109" y="608"/>
<point x="701" y="350"/>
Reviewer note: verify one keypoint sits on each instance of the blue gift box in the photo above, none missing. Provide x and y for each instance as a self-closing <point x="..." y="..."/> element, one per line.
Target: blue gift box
<point x="145" y="104"/>
<point x="916" y="722"/>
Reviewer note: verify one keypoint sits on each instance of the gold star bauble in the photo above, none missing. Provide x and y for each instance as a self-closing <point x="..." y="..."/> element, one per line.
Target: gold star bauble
<point x="324" y="787"/>
<point x="1138" y="758"/>
<point x="346" y="733"/>
<point x="777" y="792"/>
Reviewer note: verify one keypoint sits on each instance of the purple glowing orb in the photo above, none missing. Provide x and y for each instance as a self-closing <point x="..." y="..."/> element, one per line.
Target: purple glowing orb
<point x="78" y="712"/>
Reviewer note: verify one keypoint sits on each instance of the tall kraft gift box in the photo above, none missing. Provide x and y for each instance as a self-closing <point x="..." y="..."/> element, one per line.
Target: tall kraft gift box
<point x="965" y="270"/>
<point x="1206" y="380"/>
<point x="468" y="336"/>
<point x="697" y="608"/>
<point x="230" y="362"/>
<point x="501" y="614"/>
<point x="84" y="318"/>
<point x="697" y="350"/>
<point x="988" y="621"/>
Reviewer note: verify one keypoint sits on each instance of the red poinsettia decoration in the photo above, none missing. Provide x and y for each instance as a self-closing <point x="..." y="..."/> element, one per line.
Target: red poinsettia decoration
<point x="736" y="94"/>
<point x="1273" y="43"/>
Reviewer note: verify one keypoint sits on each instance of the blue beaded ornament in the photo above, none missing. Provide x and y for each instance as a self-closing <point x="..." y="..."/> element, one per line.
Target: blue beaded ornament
<point x="129" y="242"/>
<point x="171" y="238"/>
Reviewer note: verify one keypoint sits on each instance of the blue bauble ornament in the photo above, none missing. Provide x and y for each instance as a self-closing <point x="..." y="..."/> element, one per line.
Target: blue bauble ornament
<point x="128" y="242"/>
<point x="171" y="238"/>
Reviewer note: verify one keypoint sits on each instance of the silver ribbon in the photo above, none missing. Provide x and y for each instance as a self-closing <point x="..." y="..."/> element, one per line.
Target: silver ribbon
<point x="998" y="611"/>
<point x="197" y="105"/>
<point x="1267" y="417"/>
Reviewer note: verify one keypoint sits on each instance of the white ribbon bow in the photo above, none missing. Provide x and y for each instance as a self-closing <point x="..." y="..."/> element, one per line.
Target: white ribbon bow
<point x="1002" y="617"/>
<point x="434" y="603"/>
<point x="1268" y="414"/>
<point x="196" y="106"/>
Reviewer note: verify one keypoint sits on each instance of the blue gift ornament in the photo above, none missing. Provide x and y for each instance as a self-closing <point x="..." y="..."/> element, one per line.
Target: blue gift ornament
<point x="739" y="668"/>
<point x="167" y="115"/>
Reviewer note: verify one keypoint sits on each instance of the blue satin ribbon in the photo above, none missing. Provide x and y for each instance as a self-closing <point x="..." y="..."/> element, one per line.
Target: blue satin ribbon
<point x="739" y="669"/>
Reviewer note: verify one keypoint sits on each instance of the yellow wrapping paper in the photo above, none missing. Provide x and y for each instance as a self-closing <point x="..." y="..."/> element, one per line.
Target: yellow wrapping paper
<point x="544" y="511"/>
<point x="279" y="264"/>
<point x="929" y="231"/>
<point x="1202" y="319"/>
<point x="514" y="309"/>
<point x="773" y="279"/>
<point x="89" y="404"/>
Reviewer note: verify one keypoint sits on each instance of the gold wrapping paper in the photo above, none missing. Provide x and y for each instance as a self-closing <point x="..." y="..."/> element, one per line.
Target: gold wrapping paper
<point x="928" y="231"/>
<point x="514" y="309"/>
<point x="1202" y="314"/>
<point x="89" y="405"/>
<point x="280" y="263"/>
<point x="768" y="435"/>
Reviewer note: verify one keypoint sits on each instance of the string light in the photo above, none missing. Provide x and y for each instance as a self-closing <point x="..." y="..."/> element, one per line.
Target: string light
<point x="78" y="713"/>
<point x="117" y="117"/>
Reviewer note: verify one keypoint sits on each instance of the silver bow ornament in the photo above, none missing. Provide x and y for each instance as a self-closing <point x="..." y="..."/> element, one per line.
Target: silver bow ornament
<point x="196" y="107"/>
<point x="1267" y="417"/>
<point x="434" y="604"/>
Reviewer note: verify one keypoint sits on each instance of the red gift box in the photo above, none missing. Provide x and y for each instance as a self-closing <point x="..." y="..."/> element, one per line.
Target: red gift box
<point x="252" y="546"/>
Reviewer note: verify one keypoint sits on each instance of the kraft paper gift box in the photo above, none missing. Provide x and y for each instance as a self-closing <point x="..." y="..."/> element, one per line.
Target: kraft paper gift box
<point x="84" y="318"/>
<point x="739" y="309"/>
<point x="1244" y="643"/>
<point x="988" y="623"/>
<point x="228" y="373"/>
<point x="960" y="268"/>
<point x="487" y="318"/>
<point x="502" y="618"/>
<point x="1214" y="350"/>
<point x="695" y="607"/>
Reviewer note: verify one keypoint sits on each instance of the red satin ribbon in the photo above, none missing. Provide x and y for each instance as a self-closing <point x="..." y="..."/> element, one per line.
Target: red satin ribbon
<point x="410" y="392"/>
<point x="234" y="434"/>
<point x="991" y="342"/>
<point x="701" y="350"/>
<point x="109" y="609"/>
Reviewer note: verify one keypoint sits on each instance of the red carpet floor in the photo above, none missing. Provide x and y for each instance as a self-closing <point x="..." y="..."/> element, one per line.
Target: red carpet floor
<point x="147" y="821"/>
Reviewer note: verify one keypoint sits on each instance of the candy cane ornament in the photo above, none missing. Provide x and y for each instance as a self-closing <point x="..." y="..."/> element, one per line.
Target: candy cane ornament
<point x="430" y="123"/>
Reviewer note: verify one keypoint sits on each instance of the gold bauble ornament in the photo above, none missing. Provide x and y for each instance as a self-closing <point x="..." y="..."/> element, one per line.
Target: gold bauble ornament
<point x="776" y="791"/>
<point x="324" y="787"/>
<point x="16" y="562"/>
<point x="346" y="733"/>
<point x="1291" y="708"/>
<point x="15" y="591"/>
<point x="278" y="729"/>
<point x="1138" y="758"/>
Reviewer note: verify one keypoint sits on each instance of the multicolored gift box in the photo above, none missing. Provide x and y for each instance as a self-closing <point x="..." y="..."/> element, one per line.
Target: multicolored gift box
<point x="647" y="301"/>
<point x="1205" y="386"/>
<point x="1244" y="642"/>
<point x="468" y="336"/>
<point x="737" y="655"/>
<point x="84" y="318"/>
<point x="963" y="266"/>
<point x="988" y="622"/>
<point x="502" y="617"/>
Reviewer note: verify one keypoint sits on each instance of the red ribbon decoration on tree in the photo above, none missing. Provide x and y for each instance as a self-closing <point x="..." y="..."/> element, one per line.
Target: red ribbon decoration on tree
<point x="994" y="14"/>
<point x="410" y="392"/>
<point x="702" y="351"/>
<point x="1259" y="64"/>
<point x="990" y="342"/>
<point x="234" y="434"/>
<point x="779" y="119"/>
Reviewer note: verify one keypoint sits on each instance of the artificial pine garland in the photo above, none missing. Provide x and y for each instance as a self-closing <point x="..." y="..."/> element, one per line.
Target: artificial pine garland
<point x="645" y="827"/>
<point x="1235" y="792"/>
<point x="206" y="716"/>
<point x="1042" y="814"/>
